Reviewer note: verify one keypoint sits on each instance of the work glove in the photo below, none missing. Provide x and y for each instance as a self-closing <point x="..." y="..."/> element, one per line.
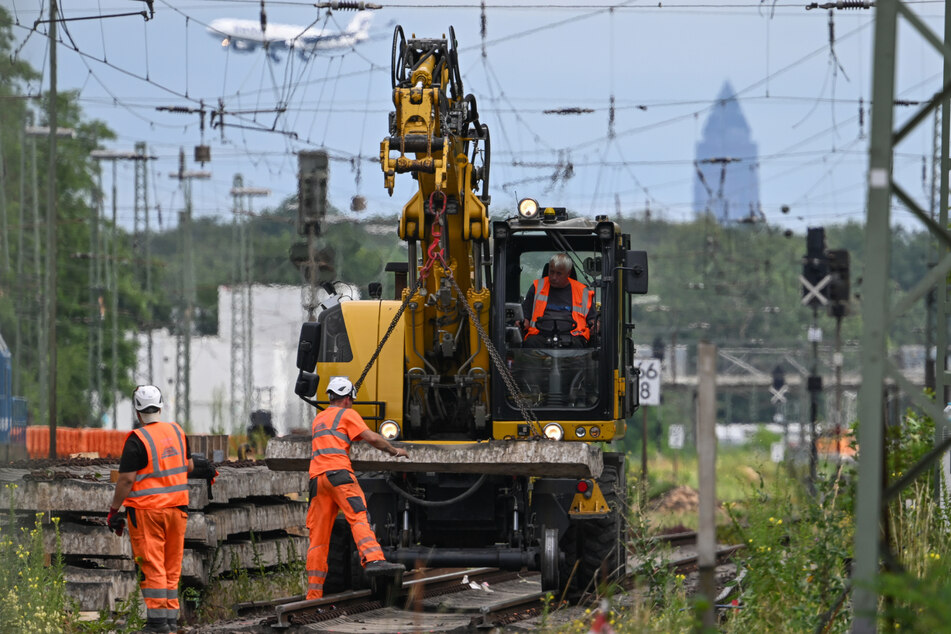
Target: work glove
<point x="115" y="521"/>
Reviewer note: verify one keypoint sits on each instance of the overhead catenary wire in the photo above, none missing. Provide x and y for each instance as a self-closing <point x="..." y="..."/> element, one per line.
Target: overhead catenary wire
<point x="357" y="153"/>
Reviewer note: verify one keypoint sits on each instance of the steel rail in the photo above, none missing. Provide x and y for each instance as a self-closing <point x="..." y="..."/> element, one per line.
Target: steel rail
<point x="346" y="600"/>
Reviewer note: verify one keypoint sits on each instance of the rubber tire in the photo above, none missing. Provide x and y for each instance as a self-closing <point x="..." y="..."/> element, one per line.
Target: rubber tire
<point x="549" y="560"/>
<point x="602" y="553"/>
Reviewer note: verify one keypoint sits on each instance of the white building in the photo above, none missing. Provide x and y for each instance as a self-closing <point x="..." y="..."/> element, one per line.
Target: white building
<point x="277" y="318"/>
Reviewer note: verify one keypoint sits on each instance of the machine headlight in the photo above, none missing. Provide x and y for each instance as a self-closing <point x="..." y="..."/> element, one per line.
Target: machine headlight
<point x="390" y="430"/>
<point x="528" y="209"/>
<point x="554" y="431"/>
<point x="595" y="431"/>
<point x="579" y="432"/>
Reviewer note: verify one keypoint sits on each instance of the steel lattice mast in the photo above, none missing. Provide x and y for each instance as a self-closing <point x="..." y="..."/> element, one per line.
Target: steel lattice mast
<point x="879" y="312"/>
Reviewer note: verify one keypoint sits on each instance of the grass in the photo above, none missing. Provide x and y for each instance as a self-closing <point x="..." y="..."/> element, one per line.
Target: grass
<point x="738" y="469"/>
<point x="798" y="547"/>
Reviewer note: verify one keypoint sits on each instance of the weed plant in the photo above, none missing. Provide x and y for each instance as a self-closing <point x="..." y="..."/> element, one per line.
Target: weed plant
<point x="796" y="556"/>
<point x="916" y="586"/>
<point x="33" y="589"/>
<point x="217" y="600"/>
<point x="797" y="550"/>
<point x="33" y="585"/>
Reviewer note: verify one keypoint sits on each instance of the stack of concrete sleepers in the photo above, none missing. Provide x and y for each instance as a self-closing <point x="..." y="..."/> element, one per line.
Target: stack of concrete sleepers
<point x="255" y="520"/>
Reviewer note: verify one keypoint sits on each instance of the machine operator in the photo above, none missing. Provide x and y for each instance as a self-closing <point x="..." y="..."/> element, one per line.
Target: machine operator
<point x="562" y="309"/>
<point x="333" y="487"/>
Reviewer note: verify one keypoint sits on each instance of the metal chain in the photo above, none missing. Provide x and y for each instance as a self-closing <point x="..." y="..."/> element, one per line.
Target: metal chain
<point x="434" y="254"/>
<point x="503" y="369"/>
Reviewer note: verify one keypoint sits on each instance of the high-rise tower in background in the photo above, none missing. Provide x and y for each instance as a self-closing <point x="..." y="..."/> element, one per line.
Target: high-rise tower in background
<point x="726" y="177"/>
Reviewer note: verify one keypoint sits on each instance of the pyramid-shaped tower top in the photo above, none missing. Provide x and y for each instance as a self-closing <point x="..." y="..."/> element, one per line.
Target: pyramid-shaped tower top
<point x="726" y="115"/>
<point x="727" y="190"/>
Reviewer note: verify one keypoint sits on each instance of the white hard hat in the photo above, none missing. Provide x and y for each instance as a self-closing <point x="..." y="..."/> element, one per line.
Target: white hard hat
<point x="146" y="396"/>
<point x="341" y="386"/>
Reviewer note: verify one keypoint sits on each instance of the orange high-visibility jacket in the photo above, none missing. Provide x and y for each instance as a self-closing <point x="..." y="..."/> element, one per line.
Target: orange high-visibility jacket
<point x="164" y="480"/>
<point x="581" y="298"/>
<point x="332" y="432"/>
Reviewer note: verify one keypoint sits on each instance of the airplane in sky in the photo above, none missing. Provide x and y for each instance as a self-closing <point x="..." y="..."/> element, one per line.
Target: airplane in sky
<point x="246" y="35"/>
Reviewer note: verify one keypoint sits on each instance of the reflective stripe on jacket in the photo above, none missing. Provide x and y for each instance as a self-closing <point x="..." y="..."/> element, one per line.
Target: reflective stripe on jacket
<point x="330" y="440"/>
<point x="163" y="482"/>
<point x="581" y="298"/>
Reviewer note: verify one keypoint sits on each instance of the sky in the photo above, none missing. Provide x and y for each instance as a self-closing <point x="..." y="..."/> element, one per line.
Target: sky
<point x="805" y="97"/>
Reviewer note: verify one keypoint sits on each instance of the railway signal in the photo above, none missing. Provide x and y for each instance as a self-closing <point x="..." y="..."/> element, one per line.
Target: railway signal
<point x="778" y="396"/>
<point x="839" y="287"/>
<point x="779" y="388"/>
<point x="825" y="282"/>
<point x="815" y="269"/>
<point x="313" y="173"/>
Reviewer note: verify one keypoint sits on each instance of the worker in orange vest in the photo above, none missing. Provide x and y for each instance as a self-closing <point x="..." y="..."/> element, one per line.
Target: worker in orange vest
<point x="562" y="311"/>
<point x="333" y="487"/>
<point x="152" y="484"/>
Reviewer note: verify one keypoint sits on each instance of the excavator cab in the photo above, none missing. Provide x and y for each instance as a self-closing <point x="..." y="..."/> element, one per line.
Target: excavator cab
<point x="580" y="388"/>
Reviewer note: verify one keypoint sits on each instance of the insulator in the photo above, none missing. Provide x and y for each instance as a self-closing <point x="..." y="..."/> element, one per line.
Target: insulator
<point x="843" y="4"/>
<point x="347" y="5"/>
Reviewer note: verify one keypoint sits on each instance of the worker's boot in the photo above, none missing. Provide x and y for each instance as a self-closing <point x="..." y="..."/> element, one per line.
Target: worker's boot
<point x="173" y="625"/>
<point x="383" y="567"/>
<point x="157" y="625"/>
<point x="386" y="579"/>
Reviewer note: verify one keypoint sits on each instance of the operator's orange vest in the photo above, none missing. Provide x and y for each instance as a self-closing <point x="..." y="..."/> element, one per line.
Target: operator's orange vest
<point x="163" y="482"/>
<point x="581" y="299"/>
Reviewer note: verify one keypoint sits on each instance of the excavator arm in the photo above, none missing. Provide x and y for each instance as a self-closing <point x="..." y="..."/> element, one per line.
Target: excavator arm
<point x="436" y="136"/>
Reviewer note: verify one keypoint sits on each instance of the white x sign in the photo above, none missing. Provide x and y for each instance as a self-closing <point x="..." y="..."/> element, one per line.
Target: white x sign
<point x="778" y="396"/>
<point x="815" y="291"/>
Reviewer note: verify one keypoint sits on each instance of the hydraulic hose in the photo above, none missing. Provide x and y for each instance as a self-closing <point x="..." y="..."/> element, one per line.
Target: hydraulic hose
<point x="431" y="503"/>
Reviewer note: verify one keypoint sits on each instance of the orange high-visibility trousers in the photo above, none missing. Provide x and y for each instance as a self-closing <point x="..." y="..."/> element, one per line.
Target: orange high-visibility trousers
<point x="330" y="492"/>
<point x="158" y="542"/>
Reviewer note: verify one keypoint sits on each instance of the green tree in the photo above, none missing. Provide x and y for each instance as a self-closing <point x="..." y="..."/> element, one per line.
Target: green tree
<point x="76" y="192"/>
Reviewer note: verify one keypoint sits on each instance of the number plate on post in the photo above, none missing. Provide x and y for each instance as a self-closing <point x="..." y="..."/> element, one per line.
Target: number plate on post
<point x="648" y="386"/>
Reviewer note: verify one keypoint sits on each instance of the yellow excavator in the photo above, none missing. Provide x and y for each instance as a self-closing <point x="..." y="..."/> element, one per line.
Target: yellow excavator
<point x="509" y="465"/>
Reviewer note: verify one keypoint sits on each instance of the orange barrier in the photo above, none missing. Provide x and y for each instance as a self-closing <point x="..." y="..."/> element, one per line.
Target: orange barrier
<point x="827" y="445"/>
<point x="107" y="443"/>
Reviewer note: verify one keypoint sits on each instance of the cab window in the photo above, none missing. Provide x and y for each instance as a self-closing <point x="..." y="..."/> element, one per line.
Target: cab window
<point x="334" y="344"/>
<point x="559" y="375"/>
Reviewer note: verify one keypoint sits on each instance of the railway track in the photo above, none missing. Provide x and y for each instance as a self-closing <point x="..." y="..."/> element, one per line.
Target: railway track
<point x="442" y="599"/>
<point x="420" y="592"/>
